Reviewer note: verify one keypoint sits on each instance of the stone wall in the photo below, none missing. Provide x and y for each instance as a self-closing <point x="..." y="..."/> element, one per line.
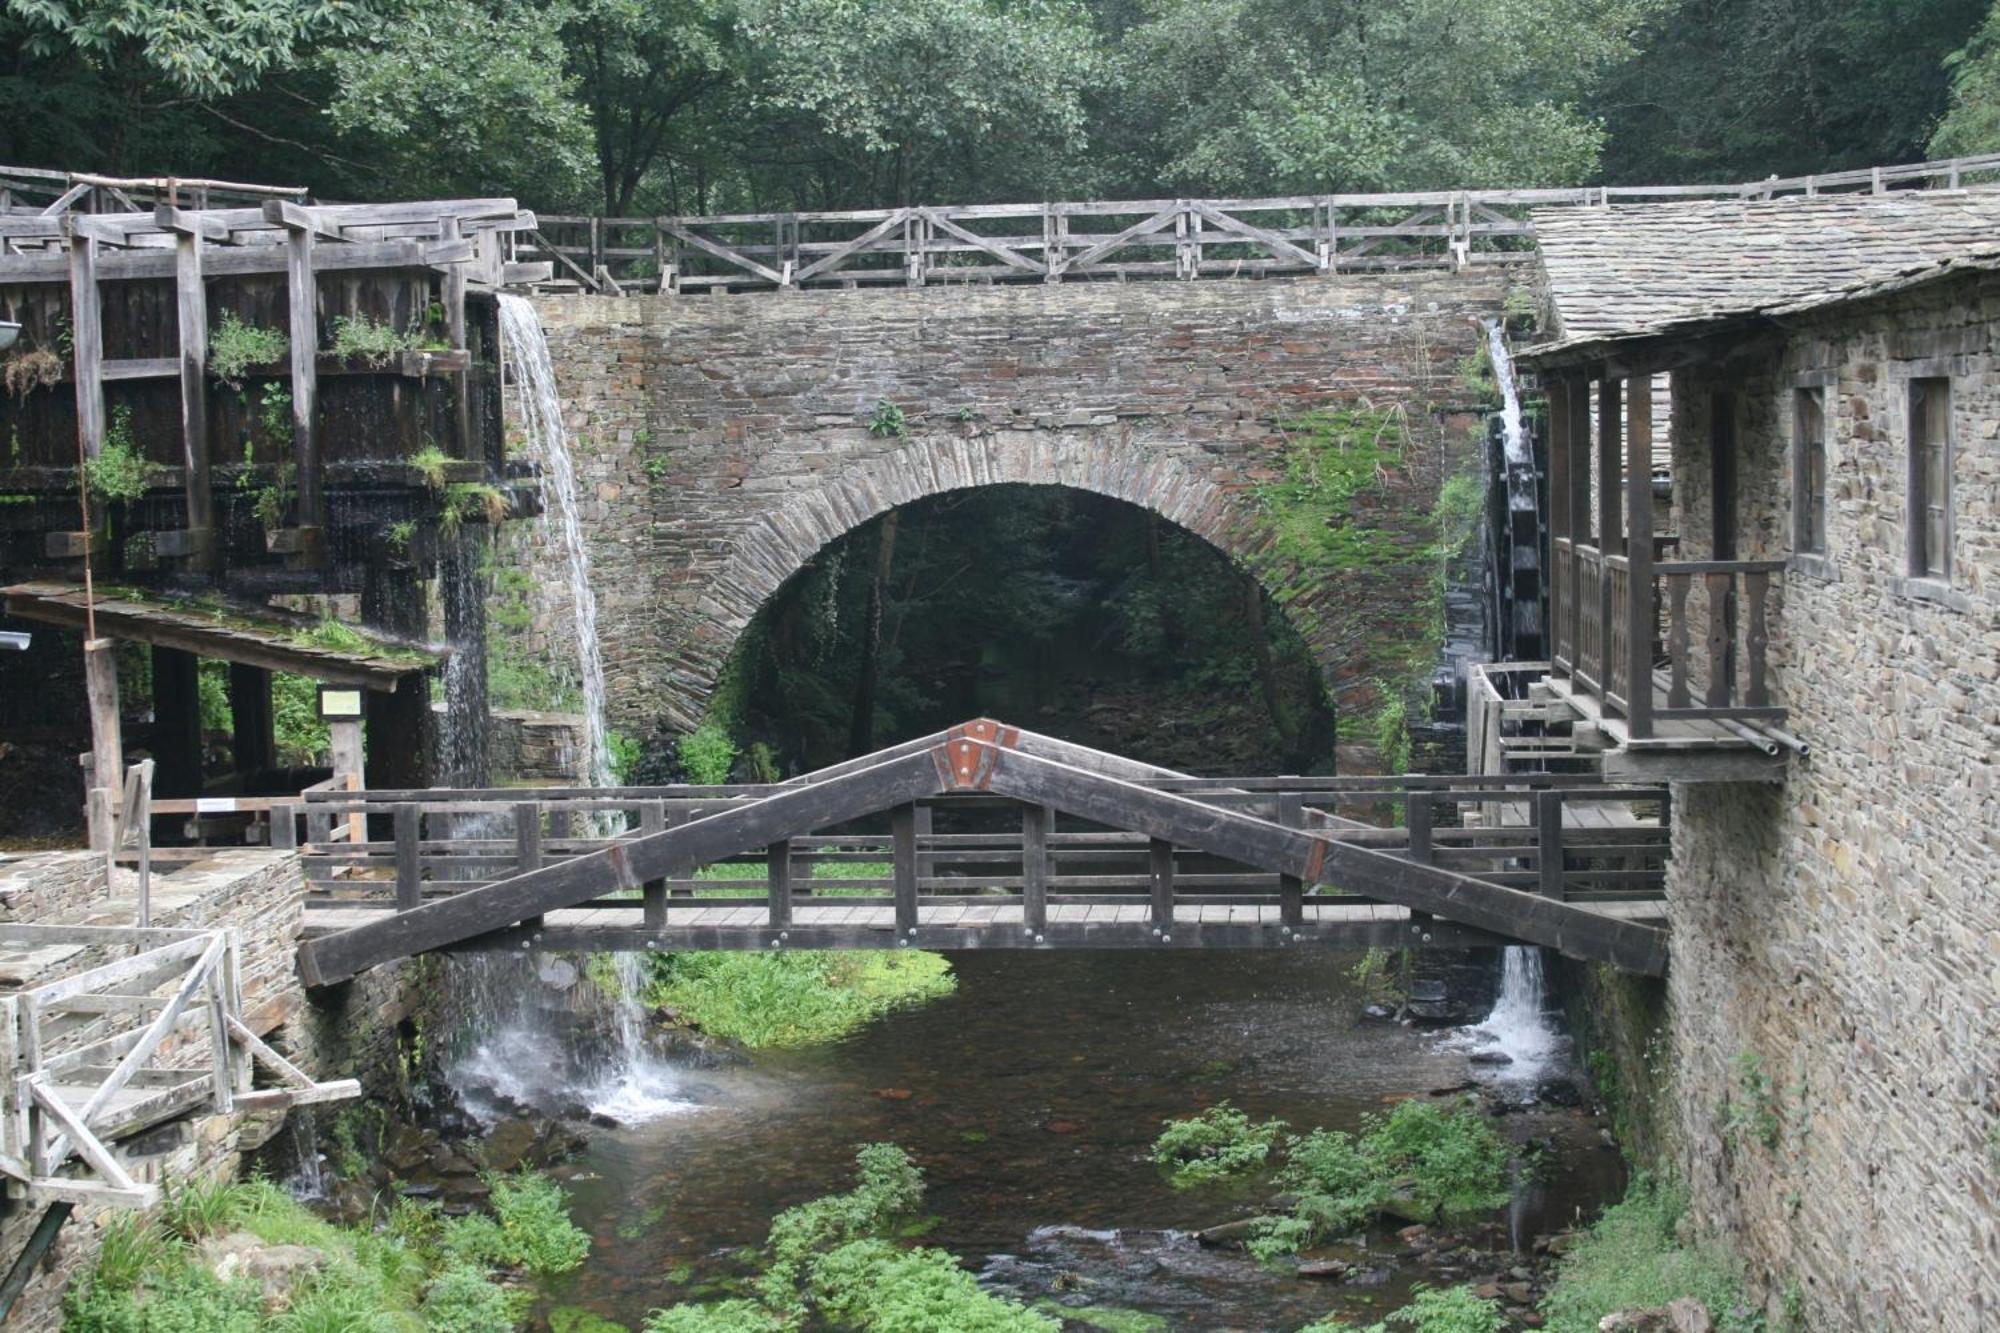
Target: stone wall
<point x="721" y="441"/>
<point x="1834" y="999"/>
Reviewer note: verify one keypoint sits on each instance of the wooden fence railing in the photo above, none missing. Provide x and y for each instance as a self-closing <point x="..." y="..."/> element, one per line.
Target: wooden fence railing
<point x="988" y="852"/>
<point x="1121" y="239"/>
<point x="1712" y="662"/>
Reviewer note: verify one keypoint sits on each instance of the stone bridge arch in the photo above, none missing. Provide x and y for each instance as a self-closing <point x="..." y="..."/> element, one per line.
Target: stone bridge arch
<point x="722" y="441"/>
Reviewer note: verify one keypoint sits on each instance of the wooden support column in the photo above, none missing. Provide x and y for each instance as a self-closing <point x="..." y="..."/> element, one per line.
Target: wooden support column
<point x="1556" y="580"/>
<point x="903" y="839"/>
<point x="191" y="304"/>
<point x="454" y="333"/>
<point x="176" y="723"/>
<point x="401" y="728"/>
<point x="254" y="742"/>
<point x="107" y="745"/>
<point x="926" y="861"/>
<point x="1610" y="432"/>
<point x="409" y="856"/>
<point x="1640" y="616"/>
<point x="1160" y="860"/>
<point x="653" y="819"/>
<point x="344" y="740"/>
<point x="527" y="836"/>
<point x="87" y="341"/>
<point x="778" y="876"/>
<point x="1035" y="868"/>
<point x="1419" y="818"/>
<point x="1549" y="842"/>
<point x="1291" y="889"/>
<point x="302" y="301"/>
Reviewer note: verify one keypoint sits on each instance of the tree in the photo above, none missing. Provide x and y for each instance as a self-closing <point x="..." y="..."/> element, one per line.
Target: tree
<point x="1972" y="124"/>
<point x="1270" y="96"/>
<point x="206" y="48"/>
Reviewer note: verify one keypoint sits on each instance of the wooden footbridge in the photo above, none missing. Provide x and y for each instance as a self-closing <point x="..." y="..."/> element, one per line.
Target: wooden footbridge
<point x="994" y="837"/>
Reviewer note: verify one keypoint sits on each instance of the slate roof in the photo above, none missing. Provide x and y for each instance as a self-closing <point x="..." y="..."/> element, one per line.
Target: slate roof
<point x="1632" y="270"/>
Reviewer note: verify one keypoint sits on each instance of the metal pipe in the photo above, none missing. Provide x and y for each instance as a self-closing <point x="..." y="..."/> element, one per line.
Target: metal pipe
<point x="1786" y="739"/>
<point x="38" y="1245"/>
<point x="1756" y="738"/>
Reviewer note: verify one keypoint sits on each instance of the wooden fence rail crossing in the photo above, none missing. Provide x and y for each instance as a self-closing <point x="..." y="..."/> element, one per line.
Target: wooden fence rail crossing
<point x="1117" y="239"/>
<point x="987" y="836"/>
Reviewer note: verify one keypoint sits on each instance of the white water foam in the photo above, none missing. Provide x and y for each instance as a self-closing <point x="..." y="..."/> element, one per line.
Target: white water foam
<point x="1516" y="1027"/>
<point x="1514" y="438"/>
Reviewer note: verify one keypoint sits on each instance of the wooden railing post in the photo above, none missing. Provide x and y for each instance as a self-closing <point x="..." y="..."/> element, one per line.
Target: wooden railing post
<point x="1418" y="817"/>
<point x="409" y="865"/>
<point x="1035" y="869"/>
<point x="1756" y="639"/>
<point x="903" y="839"/>
<point x="653" y="819"/>
<point x="1721" y="635"/>
<point x="778" y="876"/>
<point x="1677" y="640"/>
<point x="527" y="836"/>
<point x="1291" y="889"/>
<point x="1549" y="842"/>
<point x="1610" y="539"/>
<point x="1640" y="612"/>
<point x="1160" y="860"/>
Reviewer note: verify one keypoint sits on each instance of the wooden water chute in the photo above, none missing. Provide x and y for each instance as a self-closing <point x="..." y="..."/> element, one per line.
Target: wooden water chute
<point x="1080" y="851"/>
<point x="264" y="391"/>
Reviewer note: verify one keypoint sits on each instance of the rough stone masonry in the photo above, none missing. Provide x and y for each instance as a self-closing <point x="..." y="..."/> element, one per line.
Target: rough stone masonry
<point x="721" y="441"/>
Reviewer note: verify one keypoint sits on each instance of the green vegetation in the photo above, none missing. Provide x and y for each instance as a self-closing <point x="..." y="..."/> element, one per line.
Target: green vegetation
<point x="888" y="421"/>
<point x="422" y="1269"/>
<point x="833" y="1260"/>
<point x="1333" y="458"/>
<point x="1632" y="1257"/>
<point x="1433" y="1310"/>
<point x="301" y="739"/>
<point x="375" y="343"/>
<point x="1751" y="1112"/>
<point x="1421" y="1161"/>
<point x="120" y="471"/>
<point x="430" y="463"/>
<point x="1218" y="1143"/>
<point x="470" y="501"/>
<point x="235" y="347"/>
<point x="707" y="754"/>
<point x="794" y="997"/>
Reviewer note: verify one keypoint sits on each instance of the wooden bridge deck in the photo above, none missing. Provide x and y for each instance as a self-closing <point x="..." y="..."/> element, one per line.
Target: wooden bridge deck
<point x="996" y="838"/>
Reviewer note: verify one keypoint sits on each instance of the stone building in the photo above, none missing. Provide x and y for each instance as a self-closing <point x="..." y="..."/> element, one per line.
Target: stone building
<point x="1817" y="633"/>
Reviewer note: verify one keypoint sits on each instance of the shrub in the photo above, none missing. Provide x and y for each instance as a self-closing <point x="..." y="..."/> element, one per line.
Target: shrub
<point x="465" y="1300"/>
<point x="533" y="1213"/>
<point x="1630" y="1257"/>
<point x="873" y="1285"/>
<point x="375" y="343"/>
<point x="234" y="347"/>
<point x="1437" y="1310"/>
<point x="722" y="1317"/>
<point x="1219" y="1143"/>
<point x="707" y="754"/>
<point x="198" y="1209"/>
<point x="180" y="1299"/>
<point x="795" y="998"/>
<point x="120" y="471"/>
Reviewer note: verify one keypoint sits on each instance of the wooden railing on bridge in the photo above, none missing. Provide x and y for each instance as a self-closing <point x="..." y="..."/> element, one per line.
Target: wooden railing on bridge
<point x="1590" y="601"/>
<point x="1118" y="240"/>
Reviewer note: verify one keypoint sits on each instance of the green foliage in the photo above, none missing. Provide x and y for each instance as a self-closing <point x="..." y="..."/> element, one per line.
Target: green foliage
<point x="274" y="410"/>
<point x="797" y="997"/>
<point x="1972" y="124"/>
<point x="707" y="753"/>
<point x="1631" y="1258"/>
<point x="872" y="1285"/>
<point x="120" y="471"/>
<point x="888" y="421"/>
<point x="211" y="49"/>
<point x="432" y="464"/>
<point x="234" y="347"/>
<point x="624" y="754"/>
<point x="471" y="502"/>
<point x="465" y="1300"/>
<point x="1332" y="458"/>
<point x="301" y="737"/>
<point x="1751" y="1111"/>
<point x="177" y="1297"/>
<point x="373" y="342"/>
<point x="529" y="1229"/>
<point x="655" y="466"/>
<point x="198" y="1209"/>
<point x="733" y="1316"/>
<point x="1431" y="1310"/>
<point x="132" y="1244"/>
<point x="1220" y="1142"/>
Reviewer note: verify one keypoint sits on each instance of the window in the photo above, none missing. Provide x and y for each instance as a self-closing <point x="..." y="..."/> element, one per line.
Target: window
<point x="1930" y="479"/>
<point x="1809" y="470"/>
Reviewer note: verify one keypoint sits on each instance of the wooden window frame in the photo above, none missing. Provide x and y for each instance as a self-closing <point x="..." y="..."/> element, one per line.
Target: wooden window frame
<point x="1928" y="459"/>
<point x="1810" y="519"/>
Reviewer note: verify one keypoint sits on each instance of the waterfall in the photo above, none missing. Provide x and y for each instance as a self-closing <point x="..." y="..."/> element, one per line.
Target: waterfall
<point x="1517" y="1027"/>
<point x="1514" y="439"/>
<point x="548" y="446"/>
<point x="519" y="1055"/>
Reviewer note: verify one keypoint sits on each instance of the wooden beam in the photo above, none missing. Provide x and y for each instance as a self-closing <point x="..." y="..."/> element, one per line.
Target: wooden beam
<point x="778" y="874"/>
<point x="191" y="306"/>
<point x="87" y="342"/>
<point x="903" y="837"/>
<point x="302" y="305"/>
<point x="1639" y="596"/>
<point x="1034" y="869"/>
<point x="1160" y="868"/>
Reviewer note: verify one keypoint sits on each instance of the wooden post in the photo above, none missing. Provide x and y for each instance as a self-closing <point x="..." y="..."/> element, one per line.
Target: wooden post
<point x="107" y="746"/>
<point x="653" y="819"/>
<point x="254" y="742"/>
<point x="302" y="303"/>
<point x="191" y="302"/>
<point x="1640" y="616"/>
<point x="344" y="739"/>
<point x="926" y="861"/>
<point x="409" y="864"/>
<point x="1610" y="432"/>
<point x="1291" y="889"/>
<point x="903" y="837"/>
<point x="1559" y="421"/>
<point x="778" y="875"/>
<point x="177" y="722"/>
<point x="1035" y="868"/>
<point x="87" y="342"/>
<point x="1418" y="817"/>
<point x="527" y="836"/>
<point x="1160" y="860"/>
<point x="1549" y="842"/>
<point x="1578" y="510"/>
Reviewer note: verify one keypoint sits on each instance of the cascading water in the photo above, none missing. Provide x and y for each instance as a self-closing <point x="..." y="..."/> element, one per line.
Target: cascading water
<point x="1517" y="1026"/>
<point x="1514" y="439"/>
<point x="518" y="1055"/>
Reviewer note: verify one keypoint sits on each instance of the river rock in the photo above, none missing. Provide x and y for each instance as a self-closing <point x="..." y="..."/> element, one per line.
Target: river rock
<point x="1686" y="1315"/>
<point x="1518" y="1292"/>
<point x="1327" y="1269"/>
<point x="510" y="1144"/>
<point x="1489" y="1058"/>
<point x="1403" y="1205"/>
<point x="276" y="1269"/>
<point x="1228" y="1233"/>
<point x="408" y="1148"/>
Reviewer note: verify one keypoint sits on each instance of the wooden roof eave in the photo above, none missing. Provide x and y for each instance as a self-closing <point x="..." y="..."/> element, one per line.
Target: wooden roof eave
<point x="271" y="647"/>
<point x="1657" y="351"/>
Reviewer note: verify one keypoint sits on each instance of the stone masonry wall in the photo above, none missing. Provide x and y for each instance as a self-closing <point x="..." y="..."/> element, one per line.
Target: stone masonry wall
<point x="721" y="441"/>
<point x="1834" y="997"/>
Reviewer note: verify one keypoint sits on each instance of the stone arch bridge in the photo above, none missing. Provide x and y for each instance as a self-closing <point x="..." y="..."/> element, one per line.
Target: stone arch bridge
<point x="721" y="441"/>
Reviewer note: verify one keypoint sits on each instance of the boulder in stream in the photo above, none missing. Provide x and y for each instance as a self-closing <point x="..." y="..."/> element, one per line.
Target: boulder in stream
<point x="277" y="1269"/>
<point x="1686" y="1315"/>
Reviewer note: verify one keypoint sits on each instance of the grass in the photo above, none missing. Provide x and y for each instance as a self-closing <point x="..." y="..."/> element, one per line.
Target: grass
<point x="1632" y="1257"/>
<point x="421" y="1270"/>
<point x="796" y="997"/>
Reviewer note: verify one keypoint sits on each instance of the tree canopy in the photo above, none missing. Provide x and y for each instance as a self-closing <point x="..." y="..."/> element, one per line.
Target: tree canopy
<point x="640" y="106"/>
